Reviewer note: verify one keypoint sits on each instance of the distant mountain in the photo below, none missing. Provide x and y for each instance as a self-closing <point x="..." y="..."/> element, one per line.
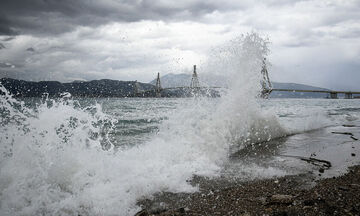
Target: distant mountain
<point x="115" y="88"/>
<point x="95" y="88"/>
<point x="295" y="86"/>
<point x="175" y="80"/>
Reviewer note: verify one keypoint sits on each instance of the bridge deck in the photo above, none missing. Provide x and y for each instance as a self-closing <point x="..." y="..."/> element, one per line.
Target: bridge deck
<point x="188" y="87"/>
<point x="316" y="91"/>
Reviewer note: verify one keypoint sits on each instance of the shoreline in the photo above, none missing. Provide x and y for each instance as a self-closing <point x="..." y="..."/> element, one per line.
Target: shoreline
<point x="288" y="195"/>
<point x="326" y="180"/>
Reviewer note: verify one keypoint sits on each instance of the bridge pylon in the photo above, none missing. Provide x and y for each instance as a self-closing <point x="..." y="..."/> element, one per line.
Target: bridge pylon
<point x="348" y="95"/>
<point x="265" y="81"/>
<point x="158" y="86"/>
<point x="194" y="80"/>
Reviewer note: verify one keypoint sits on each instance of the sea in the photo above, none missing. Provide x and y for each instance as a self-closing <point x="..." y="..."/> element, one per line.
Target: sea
<point x="100" y="156"/>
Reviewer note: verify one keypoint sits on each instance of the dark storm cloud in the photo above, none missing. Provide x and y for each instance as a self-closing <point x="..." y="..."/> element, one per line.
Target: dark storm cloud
<point x="5" y="26"/>
<point x="53" y="16"/>
<point x="38" y="16"/>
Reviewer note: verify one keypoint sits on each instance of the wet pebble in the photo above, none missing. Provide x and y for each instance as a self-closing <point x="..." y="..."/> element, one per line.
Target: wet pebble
<point x="281" y="199"/>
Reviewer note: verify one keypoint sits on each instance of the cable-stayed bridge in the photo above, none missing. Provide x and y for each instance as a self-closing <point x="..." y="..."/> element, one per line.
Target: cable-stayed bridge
<point x="195" y="89"/>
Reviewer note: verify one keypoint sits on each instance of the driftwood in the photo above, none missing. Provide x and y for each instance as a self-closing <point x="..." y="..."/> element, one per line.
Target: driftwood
<point x="348" y="125"/>
<point x="346" y="133"/>
<point x="317" y="162"/>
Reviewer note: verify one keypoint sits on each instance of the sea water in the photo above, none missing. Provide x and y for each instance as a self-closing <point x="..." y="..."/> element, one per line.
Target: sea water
<point x="99" y="156"/>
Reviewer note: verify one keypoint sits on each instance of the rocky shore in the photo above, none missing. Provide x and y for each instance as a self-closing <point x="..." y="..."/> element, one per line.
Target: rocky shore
<point x="289" y="195"/>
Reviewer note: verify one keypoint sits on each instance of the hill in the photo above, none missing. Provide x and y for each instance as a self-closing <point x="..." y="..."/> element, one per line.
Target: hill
<point x="95" y="88"/>
<point x="116" y="88"/>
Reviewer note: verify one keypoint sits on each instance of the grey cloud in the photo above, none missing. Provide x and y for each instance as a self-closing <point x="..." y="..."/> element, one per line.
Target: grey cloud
<point x="30" y="49"/>
<point x="68" y="56"/>
<point x="343" y="76"/>
<point x="8" y="39"/>
<point x="6" y="65"/>
<point x="5" y="26"/>
<point x="54" y="17"/>
<point x="299" y="43"/>
<point x="95" y="53"/>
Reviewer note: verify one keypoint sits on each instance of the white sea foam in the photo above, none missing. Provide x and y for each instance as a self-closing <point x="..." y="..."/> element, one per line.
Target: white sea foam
<point x="57" y="158"/>
<point x="55" y="163"/>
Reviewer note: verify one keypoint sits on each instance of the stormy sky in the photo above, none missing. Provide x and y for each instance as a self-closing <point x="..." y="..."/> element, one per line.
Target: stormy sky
<point x="315" y="42"/>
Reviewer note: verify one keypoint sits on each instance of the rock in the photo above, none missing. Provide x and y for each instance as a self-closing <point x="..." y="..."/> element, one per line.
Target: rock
<point x="269" y="210"/>
<point x="158" y="208"/>
<point x="142" y="213"/>
<point x="344" y="188"/>
<point x="281" y="199"/>
<point x="321" y="170"/>
<point x="309" y="202"/>
<point x="182" y="210"/>
<point x="262" y="200"/>
<point x="353" y="154"/>
<point x="281" y="213"/>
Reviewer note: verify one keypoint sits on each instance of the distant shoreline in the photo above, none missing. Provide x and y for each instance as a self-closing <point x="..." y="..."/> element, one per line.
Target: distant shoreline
<point x="107" y="88"/>
<point x="104" y="88"/>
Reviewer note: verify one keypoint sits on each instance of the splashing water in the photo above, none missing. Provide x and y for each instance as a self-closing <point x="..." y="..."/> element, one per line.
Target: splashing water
<point x="57" y="158"/>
